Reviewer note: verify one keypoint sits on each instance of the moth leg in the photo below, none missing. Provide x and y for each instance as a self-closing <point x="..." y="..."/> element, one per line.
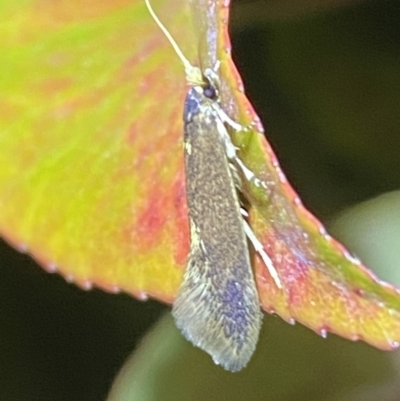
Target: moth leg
<point x="231" y="149"/>
<point x="258" y="247"/>
<point x="226" y="119"/>
<point x="249" y="175"/>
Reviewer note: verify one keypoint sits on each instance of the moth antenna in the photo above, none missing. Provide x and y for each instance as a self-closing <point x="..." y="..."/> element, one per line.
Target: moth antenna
<point x="193" y="74"/>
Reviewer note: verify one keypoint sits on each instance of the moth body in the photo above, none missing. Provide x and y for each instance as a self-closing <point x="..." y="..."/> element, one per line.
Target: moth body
<point x="217" y="307"/>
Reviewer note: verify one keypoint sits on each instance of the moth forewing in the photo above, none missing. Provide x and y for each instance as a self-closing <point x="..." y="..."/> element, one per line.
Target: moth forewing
<point x="217" y="306"/>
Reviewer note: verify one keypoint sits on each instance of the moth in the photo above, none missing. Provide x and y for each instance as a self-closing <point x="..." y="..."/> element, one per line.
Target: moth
<point x="217" y="307"/>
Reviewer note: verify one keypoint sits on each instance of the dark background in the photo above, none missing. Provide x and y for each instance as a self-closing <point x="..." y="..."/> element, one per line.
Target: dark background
<point x="327" y="87"/>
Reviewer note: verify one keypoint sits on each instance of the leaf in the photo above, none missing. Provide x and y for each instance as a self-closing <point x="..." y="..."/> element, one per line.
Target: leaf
<point x="91" y="172"/>
<point x="91" y="168"/>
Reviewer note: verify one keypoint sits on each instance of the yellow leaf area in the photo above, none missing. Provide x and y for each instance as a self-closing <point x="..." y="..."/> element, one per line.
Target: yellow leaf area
<point x="91" y="163"/>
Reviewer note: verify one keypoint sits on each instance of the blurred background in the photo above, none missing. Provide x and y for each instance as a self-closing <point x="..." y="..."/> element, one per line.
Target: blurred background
<point x="324" y="76"/>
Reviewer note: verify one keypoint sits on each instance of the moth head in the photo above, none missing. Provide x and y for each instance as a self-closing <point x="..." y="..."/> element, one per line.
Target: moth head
<point x="211" y="84"/>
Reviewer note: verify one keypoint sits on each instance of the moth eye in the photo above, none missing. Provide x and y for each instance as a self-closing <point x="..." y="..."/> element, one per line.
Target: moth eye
<point x="210" y="92"/>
